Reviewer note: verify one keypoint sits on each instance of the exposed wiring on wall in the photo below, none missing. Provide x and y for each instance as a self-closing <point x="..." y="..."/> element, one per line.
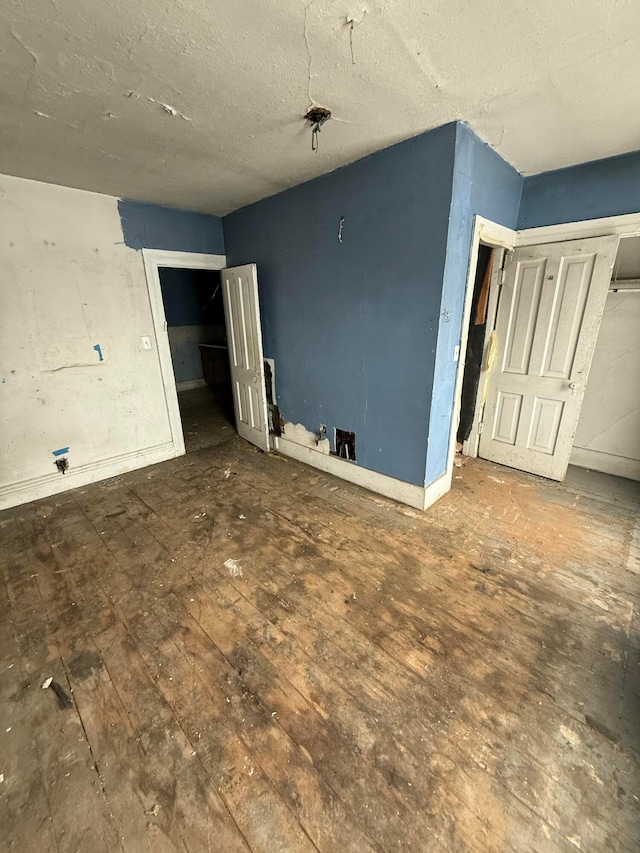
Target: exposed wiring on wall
<point x="340" y="227"/>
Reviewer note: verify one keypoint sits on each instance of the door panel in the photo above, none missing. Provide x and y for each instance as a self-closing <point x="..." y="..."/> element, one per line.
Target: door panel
<point x="545" y="425"/>
<point x="242" y="313"/>
<point x="524" y="311"/>
<point x="549" y="312"/>
<point x="507" y="417"/>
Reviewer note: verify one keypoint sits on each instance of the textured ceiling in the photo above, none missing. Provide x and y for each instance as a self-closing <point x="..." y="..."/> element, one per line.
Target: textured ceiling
<point x="198" y="104"/>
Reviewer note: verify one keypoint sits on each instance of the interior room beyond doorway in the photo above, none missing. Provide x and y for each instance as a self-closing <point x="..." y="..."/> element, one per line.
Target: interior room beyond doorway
<point x="194" y="312"/>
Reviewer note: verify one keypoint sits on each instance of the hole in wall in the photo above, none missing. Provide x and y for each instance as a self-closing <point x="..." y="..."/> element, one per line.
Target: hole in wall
<point x="62" y="464"/>
<point x="345" y="445"/>
<point x="276" y="422"/>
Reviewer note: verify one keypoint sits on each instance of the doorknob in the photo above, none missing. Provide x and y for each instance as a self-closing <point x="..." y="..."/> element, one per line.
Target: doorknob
<point x="573" y="387"/>
<point x="256" y="377"/>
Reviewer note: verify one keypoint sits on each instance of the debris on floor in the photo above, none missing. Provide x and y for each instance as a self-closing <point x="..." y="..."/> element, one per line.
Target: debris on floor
<point x="64" y="700"/>
<point x="540" y="664"/>
<point x="234" y="568"/>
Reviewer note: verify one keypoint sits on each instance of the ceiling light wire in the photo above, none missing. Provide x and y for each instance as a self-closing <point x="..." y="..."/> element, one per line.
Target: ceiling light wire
<point x="316" y="117"/>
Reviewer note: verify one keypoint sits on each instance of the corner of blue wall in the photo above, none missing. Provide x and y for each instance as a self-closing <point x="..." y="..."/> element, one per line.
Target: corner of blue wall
<point x="486" y="185"/>
<point x="607" y="187"/>
<point x="152" y="226"/>
<point x="352" y="323"/>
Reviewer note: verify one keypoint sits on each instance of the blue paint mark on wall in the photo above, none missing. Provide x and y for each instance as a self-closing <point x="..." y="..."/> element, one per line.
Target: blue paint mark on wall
<point x="486" y="185"/>
<point x="60" y="451"/>
<point x="608" y="187"/>
<point x="353" y="325"/>
<point x="151" y="226"/>
<point x="98" y="349"/>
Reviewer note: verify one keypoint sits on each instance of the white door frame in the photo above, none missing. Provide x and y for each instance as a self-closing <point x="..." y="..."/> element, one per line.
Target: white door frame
<point x="471" y="445"/>
<point x="498" y="236"/>
<point x="153" y="260"/>
<point x="627" y="225"/>
<point x="486" y="231"/>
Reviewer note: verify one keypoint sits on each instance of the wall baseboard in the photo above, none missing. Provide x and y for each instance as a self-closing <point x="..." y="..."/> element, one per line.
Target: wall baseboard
<point x="606" y="463"/>
<point x="436" y="490"/>
<point x="190" y="384"/>
<point x="406" y="493"/>
<point x="15" y="494"/>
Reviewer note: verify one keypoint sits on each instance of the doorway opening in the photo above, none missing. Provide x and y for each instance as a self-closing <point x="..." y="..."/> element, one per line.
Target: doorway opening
<point x="475" y="345"/>
<point x="239" y="286"/>
<point x="196" y="327"/>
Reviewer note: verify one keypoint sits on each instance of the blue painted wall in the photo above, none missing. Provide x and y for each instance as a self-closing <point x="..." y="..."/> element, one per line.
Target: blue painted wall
<point x="483" y="184"/>
<point x="150" y="226"/>
<point x="357" y="328"/>
<point x="353" y="326"/>
<point x="186" y="295"/>
<point x="193" y="317"/>
<point x="608" y="187"/>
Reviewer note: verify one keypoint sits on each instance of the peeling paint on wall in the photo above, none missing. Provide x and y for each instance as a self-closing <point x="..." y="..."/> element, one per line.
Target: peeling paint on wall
<point x="301" y="435"/>
<point x="166" y="107"/>
<point x="361" y="356"/>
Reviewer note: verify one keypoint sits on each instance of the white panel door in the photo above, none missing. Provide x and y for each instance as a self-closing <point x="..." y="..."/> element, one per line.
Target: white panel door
<point x="549" y="312"/>
<point x="244" y="336"/>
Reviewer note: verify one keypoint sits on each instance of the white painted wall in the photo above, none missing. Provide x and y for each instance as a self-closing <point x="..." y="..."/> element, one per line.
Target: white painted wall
<point x="68" y="282"/>
<point x="185" y="352"/>
<point x="608" y="434"/>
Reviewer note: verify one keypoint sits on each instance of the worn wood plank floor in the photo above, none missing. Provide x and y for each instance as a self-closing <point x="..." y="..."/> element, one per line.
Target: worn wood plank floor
<point x="363" y="677"/>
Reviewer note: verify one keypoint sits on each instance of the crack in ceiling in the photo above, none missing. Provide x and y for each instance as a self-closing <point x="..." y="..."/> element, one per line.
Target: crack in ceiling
<point x="221" y="91"/>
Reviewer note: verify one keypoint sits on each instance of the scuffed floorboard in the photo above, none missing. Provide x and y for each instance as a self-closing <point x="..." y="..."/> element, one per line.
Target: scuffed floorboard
<point x="362" y="677"/>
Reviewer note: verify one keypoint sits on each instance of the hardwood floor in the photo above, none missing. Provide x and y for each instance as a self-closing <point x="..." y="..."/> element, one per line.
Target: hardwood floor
<point x="363" y="677"/>
<point x="207" y="417"/>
